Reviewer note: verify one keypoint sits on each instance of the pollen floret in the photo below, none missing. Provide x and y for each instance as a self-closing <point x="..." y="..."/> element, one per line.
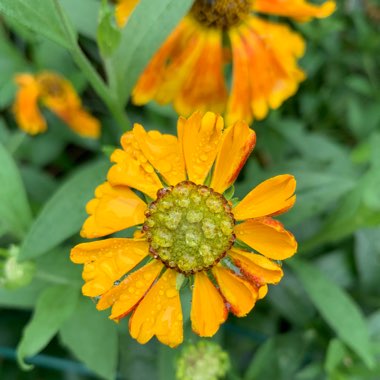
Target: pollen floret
<point x="189" y="227"/>
<point x="220" y="14"/>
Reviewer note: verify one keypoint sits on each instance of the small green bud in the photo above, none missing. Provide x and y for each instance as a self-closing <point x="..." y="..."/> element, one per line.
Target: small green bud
<point x="15" y="274"/>
<point x="204" y="360"/>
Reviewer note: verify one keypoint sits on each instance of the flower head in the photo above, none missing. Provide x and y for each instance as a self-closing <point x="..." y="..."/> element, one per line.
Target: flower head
<point x="188" y="234"/>
<point x="188" y="69"/>
<point x="58" y="95"/>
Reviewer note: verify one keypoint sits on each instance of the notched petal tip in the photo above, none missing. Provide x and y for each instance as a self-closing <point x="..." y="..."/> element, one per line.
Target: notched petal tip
<point x="159" y="313"/>
<point x="267" y="236"/>
<point x="238" y="141"/>
<point x="271" y="197"/>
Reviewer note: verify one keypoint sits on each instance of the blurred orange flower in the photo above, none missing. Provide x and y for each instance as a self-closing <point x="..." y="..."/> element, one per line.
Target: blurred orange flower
<point x="57" y="94"/>
<point x="188" y="69"/>
<point x="191" y="235"/>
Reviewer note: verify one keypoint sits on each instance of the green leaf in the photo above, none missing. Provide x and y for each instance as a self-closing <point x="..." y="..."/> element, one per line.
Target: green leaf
<point x="57" y="268"/>
<point x="64" y="213"/>
<point x="138" y="44"/>
<point x="336" y="352"/>
<point x="83" y="14"/>
<point x="38" y="184"/>
<point x="97" y="344"/>
<point x="11" y="62"/>
<point x="41" y="16"/>
<point x="337" y="308"/>
<point x="278" y="358"/>
<point x="53" y="307"/>
<point x="15" y="213"/>
<point x="367" y="255"/>
<point x="22" y="298"/>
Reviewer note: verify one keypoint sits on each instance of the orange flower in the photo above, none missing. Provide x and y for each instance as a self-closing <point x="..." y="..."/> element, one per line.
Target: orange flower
<point x="59" y="96"/>
<point x="188" y="69"/>
<point x="190" y="234"/>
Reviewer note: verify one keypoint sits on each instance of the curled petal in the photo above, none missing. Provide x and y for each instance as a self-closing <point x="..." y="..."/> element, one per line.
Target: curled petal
<point x="105" y="261"/>
<point x="256" y="268"/>
<point x="187" y="70"/>
<point x="126" y="295"/>
<point x="265" y="70"/>
<point x="163" y="152"/>
<point x="25" y="107"/>
<point x="113" y="209"/>
<point x="159" y="313"/>
<point x="60" y="97"/>
<point x="208" y="310"/>
<point x="200" y="137"/>
<point x="237" y="144"/>
<point x="267" y="236"/>
<point x="133" y="168"/>
<point x="204" y="87"/>
<point x="300" y="10"/>
<point x="239" y="293"/>
<point x="154" y="74"/>
<point x="83" y="123"/>
<point x="271" y="197"/>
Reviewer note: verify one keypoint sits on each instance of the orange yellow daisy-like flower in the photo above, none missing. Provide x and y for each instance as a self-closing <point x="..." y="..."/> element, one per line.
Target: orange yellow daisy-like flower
<point x="188" y="234"/>
<point x="188" y="69"/>
<point x="58" y="95"/>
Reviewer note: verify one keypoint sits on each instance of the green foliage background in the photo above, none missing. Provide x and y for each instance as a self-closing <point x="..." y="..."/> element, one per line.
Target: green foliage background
<point x="321" y="322"/>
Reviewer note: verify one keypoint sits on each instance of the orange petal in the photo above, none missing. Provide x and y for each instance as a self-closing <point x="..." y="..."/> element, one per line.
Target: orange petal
<point x="187" y="49"/>
<point x="105" y="261"/>
<point x="268" y="237"/>
<point x="265" y="71"/>
<point x="271" y="197"/>
<point x="208" y="310"/>
<point x="113" y="209"/>
<point x="81" y="122"/>
<point x="204" y="87"/>
<point x="300" y="10"/>
<point x="200" y="137"/>
<point x="25" y="107"/>
<point x="237" y="144"/>
<point x="240" y="294"/>
<point x="163" y="152"/>
<point x="256" y="268"/>
<point x="123" y="10"/>
<point x="126" y="295"/>
<point x="133" y="169"/>
<point x="159" y="313"/>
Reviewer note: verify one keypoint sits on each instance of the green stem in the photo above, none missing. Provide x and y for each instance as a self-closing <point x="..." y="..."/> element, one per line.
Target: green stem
<point x="101" y="88"/>
<point x="93" y="77"/>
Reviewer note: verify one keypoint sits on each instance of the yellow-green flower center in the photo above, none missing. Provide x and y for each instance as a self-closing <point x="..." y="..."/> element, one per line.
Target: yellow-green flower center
<point x="221" y="14"/>
<point x="189" y="227"/>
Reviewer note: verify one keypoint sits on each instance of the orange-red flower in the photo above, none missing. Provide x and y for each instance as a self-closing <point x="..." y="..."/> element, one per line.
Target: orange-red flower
<point x="189" y="68"/>
<point x="189" y="234"/>
<point x="58" y="95"/>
